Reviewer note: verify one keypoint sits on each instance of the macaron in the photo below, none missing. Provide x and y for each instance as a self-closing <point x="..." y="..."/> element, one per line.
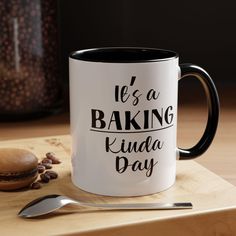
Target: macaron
<point x="18" y="168"/>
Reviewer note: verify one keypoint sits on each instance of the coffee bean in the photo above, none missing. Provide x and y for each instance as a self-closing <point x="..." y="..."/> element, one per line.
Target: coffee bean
<point x="45" y="178"/>
<point x="52" y="156"/>
<point x="46" y="160"/>
<point x="56" y="161"/>
<point x="52" y="174"/>
<point x="35" y="185"/>
<point x="32" y="41"/>
<point x="41" y="168"/>
<point x="47" y="165"/>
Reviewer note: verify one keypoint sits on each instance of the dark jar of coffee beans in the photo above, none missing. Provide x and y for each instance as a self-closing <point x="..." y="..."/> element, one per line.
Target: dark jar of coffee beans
<point x="29" y="59"/>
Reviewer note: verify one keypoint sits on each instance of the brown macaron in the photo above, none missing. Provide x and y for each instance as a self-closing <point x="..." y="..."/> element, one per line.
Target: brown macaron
<point x="18" y="168"/>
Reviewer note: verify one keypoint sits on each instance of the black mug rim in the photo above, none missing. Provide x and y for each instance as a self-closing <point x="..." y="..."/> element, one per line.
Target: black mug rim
<point x="123" y="55"/>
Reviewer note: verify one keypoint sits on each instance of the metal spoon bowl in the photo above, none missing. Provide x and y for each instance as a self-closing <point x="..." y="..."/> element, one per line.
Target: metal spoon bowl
<point x="49" y="203"/>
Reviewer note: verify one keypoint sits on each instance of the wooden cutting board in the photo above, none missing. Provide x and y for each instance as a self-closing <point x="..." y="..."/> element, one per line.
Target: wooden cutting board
<point x="213" y="198"/>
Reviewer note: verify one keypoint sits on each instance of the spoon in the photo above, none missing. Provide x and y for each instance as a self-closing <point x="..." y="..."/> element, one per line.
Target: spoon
<point x="49" y="203"/>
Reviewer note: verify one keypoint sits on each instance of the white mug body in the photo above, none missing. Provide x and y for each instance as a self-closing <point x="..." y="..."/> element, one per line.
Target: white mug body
<point x="123" y="125"/>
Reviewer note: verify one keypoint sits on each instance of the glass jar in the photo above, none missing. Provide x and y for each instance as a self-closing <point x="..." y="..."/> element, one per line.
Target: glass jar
<point x="29" y="59"/>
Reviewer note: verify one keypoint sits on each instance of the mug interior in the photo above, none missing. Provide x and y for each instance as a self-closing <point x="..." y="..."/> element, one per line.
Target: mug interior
<point x="123" y="55"/>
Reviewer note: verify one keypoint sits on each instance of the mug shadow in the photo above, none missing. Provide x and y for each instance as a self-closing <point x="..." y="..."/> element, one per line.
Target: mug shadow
<point x="67" y="188"/>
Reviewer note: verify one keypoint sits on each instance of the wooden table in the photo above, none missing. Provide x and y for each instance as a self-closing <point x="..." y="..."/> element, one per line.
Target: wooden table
<point x="213" y="199"/>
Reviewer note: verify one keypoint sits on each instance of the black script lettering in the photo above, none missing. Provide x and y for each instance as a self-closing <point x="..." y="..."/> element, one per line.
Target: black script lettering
<point x="157" y="145"/>
<point x="169" y="116"/>
<point x="150" y="168"/>
<point x="108" y="144"/>
<point x="128" y="120"/>
<point x="123" y="93"/>
<point x="116" y="115"/>
<point x="158" y="115"/>
<point x="131" y="120"/>
<point x="122" y="163"/>
<point x="146" y="119"/>
<point x="133" y="78"/>
<point x="136" y="94"/>
<point x="97" y="119"/>
<point x="147" y="145"/>
<point x="117" y="93"/>
<point x="124" y="96"/>
<point x="152" y="94"/>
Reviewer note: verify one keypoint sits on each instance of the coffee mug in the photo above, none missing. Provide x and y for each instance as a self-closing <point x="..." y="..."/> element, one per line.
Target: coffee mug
<point x="123" y="107"/>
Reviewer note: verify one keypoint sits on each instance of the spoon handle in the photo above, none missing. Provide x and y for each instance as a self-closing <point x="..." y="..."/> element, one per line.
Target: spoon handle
<point x="141" y="206"/>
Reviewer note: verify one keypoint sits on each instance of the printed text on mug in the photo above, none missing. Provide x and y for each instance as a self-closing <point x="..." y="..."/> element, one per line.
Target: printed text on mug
<point x="131" y="122"/>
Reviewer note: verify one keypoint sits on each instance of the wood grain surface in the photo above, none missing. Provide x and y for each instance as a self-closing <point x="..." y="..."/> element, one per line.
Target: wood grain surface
<point x="214" y="201"/>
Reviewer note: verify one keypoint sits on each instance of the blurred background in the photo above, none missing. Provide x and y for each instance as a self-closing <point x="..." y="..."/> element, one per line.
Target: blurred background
<point x="37" y="36"/>
<point x="202" y="32"/>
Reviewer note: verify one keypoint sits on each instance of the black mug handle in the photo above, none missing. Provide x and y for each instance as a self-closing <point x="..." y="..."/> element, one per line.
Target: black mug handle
<point x="213" y="111"/>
